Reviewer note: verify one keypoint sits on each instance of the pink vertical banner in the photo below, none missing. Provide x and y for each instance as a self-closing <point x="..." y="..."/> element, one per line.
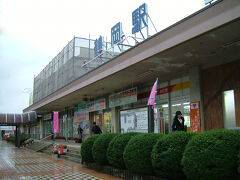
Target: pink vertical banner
<point x="12" y="130"/>
<point x="152" y="97"/>
<point x="55" y="122"/>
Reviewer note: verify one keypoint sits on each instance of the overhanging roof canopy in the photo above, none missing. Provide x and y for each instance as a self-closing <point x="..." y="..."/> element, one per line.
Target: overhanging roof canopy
<point x="17" y="119"/>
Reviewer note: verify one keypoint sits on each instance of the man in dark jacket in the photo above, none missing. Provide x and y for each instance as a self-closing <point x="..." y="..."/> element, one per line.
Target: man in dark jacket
<point x="178" y="122"/>
<point x="80" y="131"/>
<point x="96" y="129"/>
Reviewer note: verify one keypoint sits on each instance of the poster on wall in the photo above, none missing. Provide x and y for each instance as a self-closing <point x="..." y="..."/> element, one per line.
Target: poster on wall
<point x="85" y="126"/>
<point x="135" y="120"/>
<point x="195" y="117"/>
<point x="55" y="122"/>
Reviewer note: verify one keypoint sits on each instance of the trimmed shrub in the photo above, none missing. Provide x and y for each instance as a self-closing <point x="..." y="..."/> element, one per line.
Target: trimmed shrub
<point x="116" y="148"/>
<point x="86" y="148"/>
<point x="212" y="155"/>
<point x="167" y="154"/>
<point x="11" y="139"/>
<point x="137" y="153"/>
<point x="99" y="149"/>
<point x="239" y="162"/>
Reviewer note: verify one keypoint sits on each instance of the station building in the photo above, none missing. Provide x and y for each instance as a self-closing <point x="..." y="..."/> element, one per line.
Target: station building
<point x="196" y="61"/>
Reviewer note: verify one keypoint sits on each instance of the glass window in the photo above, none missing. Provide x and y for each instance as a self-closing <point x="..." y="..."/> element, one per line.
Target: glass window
<point x="184" y="107"/>
<point x="162" y="121"/>
<point x="229" y="109"/>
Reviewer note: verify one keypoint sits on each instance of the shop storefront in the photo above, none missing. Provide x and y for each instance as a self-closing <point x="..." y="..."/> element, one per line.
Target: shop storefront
<point x="87" y="113"/>
<point x="172" y="96"/>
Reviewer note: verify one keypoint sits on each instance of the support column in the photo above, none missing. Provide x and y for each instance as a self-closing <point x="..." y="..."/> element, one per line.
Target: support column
<point x="195" y="89"/>
<point x="17" y="139"/>
<point x="150" y="119"/>
<point x="115" y="120"/>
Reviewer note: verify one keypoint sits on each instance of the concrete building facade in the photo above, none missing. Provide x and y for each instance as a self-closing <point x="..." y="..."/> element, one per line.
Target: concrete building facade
<point x="195" y="60"/>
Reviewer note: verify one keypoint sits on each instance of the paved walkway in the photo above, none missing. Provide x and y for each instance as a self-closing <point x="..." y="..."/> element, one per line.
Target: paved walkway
<point x="22" y="163"/>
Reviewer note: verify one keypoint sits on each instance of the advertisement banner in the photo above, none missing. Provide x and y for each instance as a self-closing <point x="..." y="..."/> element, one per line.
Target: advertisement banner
<point x="100" y="104"/>
<point x="47" y="117"/>
<point x="12" y="130"/>
<point x="55" y="122"/>
<point x="122" y="98"/>
<point x="195" y="117"/>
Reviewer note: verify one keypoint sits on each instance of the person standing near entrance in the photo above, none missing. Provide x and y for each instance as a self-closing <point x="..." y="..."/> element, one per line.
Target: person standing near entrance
<point x="3" y="134"/>
<point x="96" y="129"/>
<point x="178" y="122"/>
<point x="80" y="131"/>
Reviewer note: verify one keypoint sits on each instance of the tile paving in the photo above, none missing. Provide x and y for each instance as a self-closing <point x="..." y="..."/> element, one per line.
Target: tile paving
<point x="24" y="164"/>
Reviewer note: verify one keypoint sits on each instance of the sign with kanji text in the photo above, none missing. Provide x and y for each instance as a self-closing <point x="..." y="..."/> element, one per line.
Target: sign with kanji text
<point x="139" y="18"/>
<point x="98" y="46"/>
<point x="195" y="117"/>
<point x="116" y="34"/>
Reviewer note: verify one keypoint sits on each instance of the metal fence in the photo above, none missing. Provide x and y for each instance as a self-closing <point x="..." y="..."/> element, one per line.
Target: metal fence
<point x="75" y="60"/>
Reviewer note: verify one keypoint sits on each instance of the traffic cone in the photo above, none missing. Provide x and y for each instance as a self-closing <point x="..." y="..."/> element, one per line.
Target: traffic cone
<point x="61" y="150"/>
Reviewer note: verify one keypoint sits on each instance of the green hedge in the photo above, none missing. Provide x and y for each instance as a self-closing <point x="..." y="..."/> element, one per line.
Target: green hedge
<point x="99" y="149"/>
<point x="137" y="154"/>
<point x="22" y="138"/>
<point x="86" y="148"/>
<point x="116" y="148"/>
<point x="167" y="154"/>
<point x="212" y="155"/>
<point x="11" y="139"/>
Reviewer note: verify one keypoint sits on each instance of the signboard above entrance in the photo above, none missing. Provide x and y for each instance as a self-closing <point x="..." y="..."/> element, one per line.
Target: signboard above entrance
<point x="124" y="97"/>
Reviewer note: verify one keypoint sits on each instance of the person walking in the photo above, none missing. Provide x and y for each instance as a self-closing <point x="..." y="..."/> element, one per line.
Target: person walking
<point x="178" y="122"/>
<point x="80" y="131"/>
<point x="96" y="129"/>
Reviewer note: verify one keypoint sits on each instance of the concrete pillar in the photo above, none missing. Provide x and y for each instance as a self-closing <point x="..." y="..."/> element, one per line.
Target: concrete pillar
<point x="17" y="136"/>
<point x="195" y="89"/>
<point x="115" y="120"/>
<point x="150" y="119"/>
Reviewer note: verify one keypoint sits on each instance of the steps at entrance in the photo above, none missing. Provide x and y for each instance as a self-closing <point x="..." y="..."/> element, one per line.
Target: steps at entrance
<point x="47" y="150"/>
<point x="38" y="145"/>
<point x="73" y="154"/>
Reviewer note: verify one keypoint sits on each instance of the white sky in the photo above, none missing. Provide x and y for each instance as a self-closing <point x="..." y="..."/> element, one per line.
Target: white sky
<point x="32" y="32"/>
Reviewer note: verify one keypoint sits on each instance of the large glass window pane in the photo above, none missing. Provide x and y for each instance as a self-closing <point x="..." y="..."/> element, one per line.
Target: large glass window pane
<point x="229" y="109"/>
<point x="162" y="124"/>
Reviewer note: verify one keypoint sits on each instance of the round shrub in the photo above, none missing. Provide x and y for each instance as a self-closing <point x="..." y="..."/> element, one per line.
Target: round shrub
<point x="137" y="153"/>
<point x="99" y="149"/>
<point x="86" y="149"/>
<point x="212" y="155"/>
<point x="116" y="148"/>
<point x="167" y="154"/>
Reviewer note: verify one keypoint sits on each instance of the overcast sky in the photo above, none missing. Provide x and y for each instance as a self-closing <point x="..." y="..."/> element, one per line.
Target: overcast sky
<point x="32" y="32"/>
